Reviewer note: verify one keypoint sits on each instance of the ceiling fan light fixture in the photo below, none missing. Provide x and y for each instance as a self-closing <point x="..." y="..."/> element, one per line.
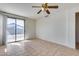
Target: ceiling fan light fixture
<point x="42" y="9"/>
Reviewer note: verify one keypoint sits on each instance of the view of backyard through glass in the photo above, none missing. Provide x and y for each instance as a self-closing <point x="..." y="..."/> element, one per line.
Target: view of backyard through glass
<point x="15" y="30"/>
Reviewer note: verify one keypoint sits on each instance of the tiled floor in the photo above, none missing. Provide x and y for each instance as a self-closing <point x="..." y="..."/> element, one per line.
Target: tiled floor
<point x="36" y="47"/>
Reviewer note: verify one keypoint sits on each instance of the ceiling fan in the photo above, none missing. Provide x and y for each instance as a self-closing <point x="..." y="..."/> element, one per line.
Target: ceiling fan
<point x="45" y="8"/>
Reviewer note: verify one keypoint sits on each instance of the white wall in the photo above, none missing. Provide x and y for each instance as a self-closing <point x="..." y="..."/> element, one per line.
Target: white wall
<point x="1" y="28"/>
<point x="30" y="27"/>
<point x="59" y="27"/>
<point x="53" y="28"/>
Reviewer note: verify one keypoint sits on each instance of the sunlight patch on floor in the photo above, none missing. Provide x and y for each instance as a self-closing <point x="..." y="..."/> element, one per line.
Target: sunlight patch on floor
<point x="18" y="44"/>
<point x="5" y="50"/>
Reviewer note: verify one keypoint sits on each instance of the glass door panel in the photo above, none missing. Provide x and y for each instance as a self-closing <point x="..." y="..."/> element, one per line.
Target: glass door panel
<point x="10" y="30"/>
<point x="19" y="29"/>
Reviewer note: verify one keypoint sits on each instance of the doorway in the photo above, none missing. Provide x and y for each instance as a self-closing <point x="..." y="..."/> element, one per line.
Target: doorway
<point x="14" y="30"/>
<point x="77" y="30"/>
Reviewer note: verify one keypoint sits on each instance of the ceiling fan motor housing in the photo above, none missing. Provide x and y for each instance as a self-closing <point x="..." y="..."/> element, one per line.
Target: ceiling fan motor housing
<point x="45" y="6"/>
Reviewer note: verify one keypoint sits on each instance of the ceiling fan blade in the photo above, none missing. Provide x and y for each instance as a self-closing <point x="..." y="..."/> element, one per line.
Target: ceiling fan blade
<point x="52" y="6"/>
<point x="36" y="6"/>
<point x="39" y="11"/>
<point x="47" y="11"/>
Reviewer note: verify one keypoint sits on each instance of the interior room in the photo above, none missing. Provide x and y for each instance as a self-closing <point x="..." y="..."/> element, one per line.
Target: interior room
<point x="39" y="29"/>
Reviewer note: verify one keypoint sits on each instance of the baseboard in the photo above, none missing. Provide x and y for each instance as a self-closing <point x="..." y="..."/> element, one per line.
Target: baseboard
<point x="56" y="43"/>
<point x="30" y="38"/>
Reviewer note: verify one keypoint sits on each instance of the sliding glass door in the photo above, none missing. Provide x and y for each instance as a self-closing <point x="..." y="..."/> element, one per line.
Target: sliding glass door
<point x="14" y="30"/>
<point x="10" y="30"/>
